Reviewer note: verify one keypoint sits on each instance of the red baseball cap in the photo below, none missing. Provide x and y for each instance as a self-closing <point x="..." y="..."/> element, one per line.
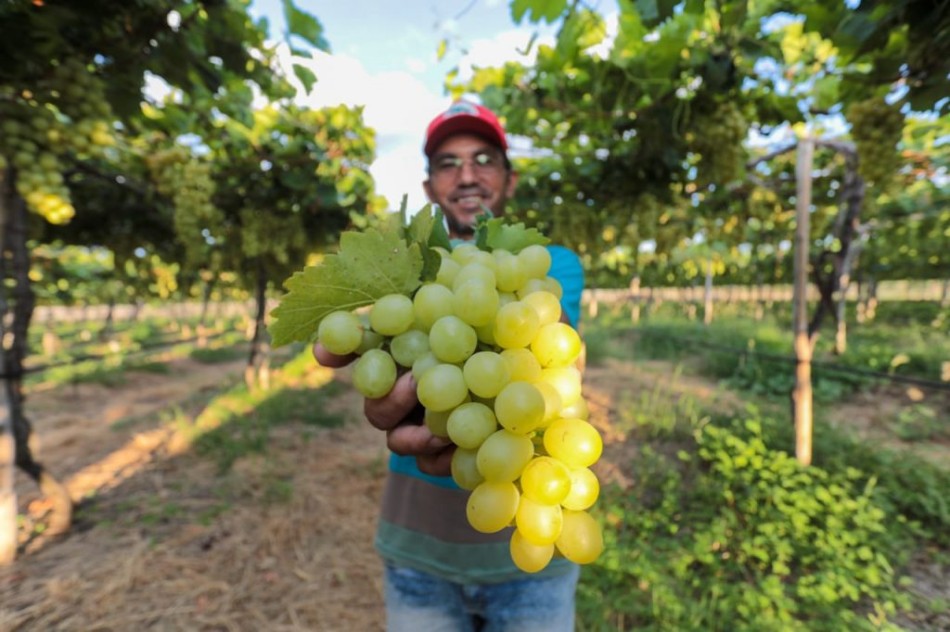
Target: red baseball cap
<point x="464" y="117"/>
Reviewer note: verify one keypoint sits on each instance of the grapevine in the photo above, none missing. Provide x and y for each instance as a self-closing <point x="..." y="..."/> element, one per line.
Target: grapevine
<point x="876" y="128"/>
<point x="66" y="115"/>
<point x="479" y="325"/>
<point x="717" y="137"/>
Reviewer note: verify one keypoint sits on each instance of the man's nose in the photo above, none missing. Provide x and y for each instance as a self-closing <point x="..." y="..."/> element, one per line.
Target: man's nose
<point x="467" y="172"/>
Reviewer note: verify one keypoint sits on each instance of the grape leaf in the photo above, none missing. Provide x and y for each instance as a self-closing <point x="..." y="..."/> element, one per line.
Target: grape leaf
<point x="494" y="233"/>
<point x="427" y="229"/>
<point x="369" y="265"/>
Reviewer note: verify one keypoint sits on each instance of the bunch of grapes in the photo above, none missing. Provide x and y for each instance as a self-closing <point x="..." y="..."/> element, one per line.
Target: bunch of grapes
<point x="187" y="181"/>
<point x="496" y="373"/>
<point x="876" y="128"/>
<point x="717" y="137"/>
<point x="66" y="113"/>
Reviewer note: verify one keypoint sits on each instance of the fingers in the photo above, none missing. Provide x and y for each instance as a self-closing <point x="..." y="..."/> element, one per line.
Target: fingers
<point x="439" y="464"/>
<point x="331" y="360"/>
<point x="393" y="408"/>
<point x="433" y="454"/>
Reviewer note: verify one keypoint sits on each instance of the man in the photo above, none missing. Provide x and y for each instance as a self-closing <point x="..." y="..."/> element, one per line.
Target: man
<point x="440" y="573"/>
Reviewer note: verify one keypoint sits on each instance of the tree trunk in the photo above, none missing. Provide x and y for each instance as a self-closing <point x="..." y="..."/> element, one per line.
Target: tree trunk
<point x="8" y="504"/>
<point x="206" y="300"/>
<point x="803" y="344"/>
<point x="257" y="372"/>
<point x="108" y="328"/>
<point x="635" y="299"/>
<point x="945" y="293"/>
<point x="707" y="294"/>
<point x="14" y="243"/>
<point x="870" y="310"/>
<point x="844" y="284"/>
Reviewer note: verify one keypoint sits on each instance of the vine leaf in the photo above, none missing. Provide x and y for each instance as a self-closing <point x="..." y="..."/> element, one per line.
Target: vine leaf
<point x="494" y="233"/>
<point x="368" y="265"/>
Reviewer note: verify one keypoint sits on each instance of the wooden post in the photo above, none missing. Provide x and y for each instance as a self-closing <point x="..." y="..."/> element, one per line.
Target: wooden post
<point x="707" y="293"/>
<point x="8" y="501"/>
<point x="802" y="393"/>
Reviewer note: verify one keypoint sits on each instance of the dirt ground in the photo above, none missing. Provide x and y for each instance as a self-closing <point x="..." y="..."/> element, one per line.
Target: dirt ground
<point x="163" y="541"/>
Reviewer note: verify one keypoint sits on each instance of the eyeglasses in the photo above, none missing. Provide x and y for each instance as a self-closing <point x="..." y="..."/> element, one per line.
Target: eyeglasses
<point x="450" y="167"/>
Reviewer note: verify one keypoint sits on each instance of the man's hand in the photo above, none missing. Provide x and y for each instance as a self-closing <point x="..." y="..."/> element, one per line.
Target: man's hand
<point x="399" y="414"/>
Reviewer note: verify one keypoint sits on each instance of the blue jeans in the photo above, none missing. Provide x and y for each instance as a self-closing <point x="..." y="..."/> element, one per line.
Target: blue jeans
<point x="420" y="602"/>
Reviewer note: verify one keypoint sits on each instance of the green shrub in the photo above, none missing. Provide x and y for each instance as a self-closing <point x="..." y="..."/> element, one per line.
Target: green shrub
<point x="737" y="536"/>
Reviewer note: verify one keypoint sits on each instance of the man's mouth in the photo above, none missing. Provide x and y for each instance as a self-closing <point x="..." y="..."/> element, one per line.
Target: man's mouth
<point x="470" y="202"/>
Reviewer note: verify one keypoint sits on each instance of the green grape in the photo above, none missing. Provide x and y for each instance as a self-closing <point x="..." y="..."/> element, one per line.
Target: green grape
<point x="475" y="301"/>
<point x="431" y="302"/>
<point x="552" y="401"/>
<point x="462" y="254"/>
<point x="538" y="523"/>
<point x="547" y="306"/>
<point x="486" y="373"/>
<point x="374" y="373"/>
<point x="470" y="424"/>
<point x="448" y="269"/>
<point x="516" y="325"/>
<point x="422" y="364"/>
<point x="509" y="271"/>
<point x="585" y="488"/>
<point x="392" y="314"/>
<point x="536" y="261"/>
<point x="577" y="410"/>
<point x="452" y="340"/>
<point x="437" y="422"/>
<point x="574" y="442"/>
<point x="581" y="540"/>
<point x="492" y="506"/>
<point x="567" y="381"/>
<point x="474" y="272"/>
<point x="464" y="469"/>
<point x="503" y="455"/>
<point x="531" y="286"/>
<point x="519" y="407"/>
<point x="546" y="480"/>
<point x="522" y="365"/>
<point x="553" y="286"/>
<point x="409" y="346"/>
<point x="529" y="557"/>
<point x="340" y="332"/>
<point x="556" y="345"/>
<point x="442" y="387"/>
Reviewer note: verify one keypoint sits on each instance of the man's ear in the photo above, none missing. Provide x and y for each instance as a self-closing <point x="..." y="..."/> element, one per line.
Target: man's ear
<point x="511" y="184"/>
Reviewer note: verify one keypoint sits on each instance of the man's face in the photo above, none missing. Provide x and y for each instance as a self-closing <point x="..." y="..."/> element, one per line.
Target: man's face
<point x="465" y="173"/>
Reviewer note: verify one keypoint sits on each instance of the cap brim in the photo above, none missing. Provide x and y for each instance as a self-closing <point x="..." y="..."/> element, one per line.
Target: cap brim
<point x="464" y="125"/>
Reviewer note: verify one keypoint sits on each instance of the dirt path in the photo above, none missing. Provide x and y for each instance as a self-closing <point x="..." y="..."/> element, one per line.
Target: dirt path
<point x="163" y="541"/>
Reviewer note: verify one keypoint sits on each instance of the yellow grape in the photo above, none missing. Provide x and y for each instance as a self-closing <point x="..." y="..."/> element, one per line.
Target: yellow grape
<point x="442" y="388"/>
<point x="529" y="557"/>
<point x="486" y="373"/>
<point x="516" y="325"/>
<point x="437" y="422"/>
<point x="520" y="407"/>
<point x="503" y="455"/>
<point x="546" y="305"/>
<point x="574" y="442"/>
<point x="552" y="401"/>
<point x="581" y="540"/>
<point x="492" y="506"/>
<point x="547" y="480"/>
<point x="464" y="470"/>
<point x="567" y="381"/>
<point x="556" y="345"/>
<point x="577" y="410"/>
<point x="539" y="524"/>
<point x="585" y="488"/>
<point x="522" y="365"/>
<point x="536" y="261"/>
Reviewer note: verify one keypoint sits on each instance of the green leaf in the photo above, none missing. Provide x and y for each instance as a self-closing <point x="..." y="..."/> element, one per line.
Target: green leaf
<point x="427" y="230"/>
<point x="369" y="265"/>
<point x="304" y="25"/>
<point x="306" y="77"/>
<point x="494" y="233"/>
<point x="547" y="10"/>
<point x="442" y="49"/>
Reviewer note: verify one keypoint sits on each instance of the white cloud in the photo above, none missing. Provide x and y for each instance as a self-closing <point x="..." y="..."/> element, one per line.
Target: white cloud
<point x="398" y="105"/>
<point x="506" y="46"/>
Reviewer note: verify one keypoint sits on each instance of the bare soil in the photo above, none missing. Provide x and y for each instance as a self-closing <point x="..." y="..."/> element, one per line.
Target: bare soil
<point x="162" y="540"/>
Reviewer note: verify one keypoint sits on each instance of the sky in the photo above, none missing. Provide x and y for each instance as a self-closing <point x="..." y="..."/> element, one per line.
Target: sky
<point x="384" y="57"/>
